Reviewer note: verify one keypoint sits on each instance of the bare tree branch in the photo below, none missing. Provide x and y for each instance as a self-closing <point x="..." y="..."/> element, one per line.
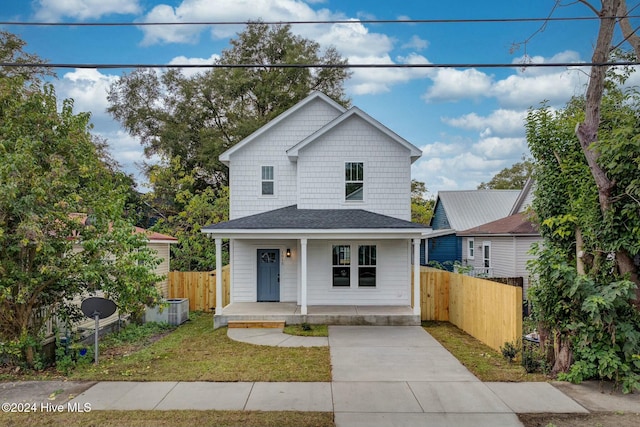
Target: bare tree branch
<point x="629" y="33"/>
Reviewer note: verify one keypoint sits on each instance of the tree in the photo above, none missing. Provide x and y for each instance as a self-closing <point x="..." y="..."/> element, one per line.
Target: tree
<point x="421" y="207"/>
<point x="11" y="52"/>
<point x="51" y="177"/>
<point x="587" y="131"/>
<point x="196" y="118"/>
<point x="194" y="250"/>
<point x="512" y="178"/>
<point x="582" y="301"/>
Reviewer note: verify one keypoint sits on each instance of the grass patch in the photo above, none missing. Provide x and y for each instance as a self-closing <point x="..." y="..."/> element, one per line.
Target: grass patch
<point x="196" y="352"/>
<point x="306" y="330"/>
<point x="172" y="418"/>
<point x="484" y="362"/>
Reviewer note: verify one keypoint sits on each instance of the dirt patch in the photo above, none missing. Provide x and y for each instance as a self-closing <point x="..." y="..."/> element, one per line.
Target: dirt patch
<point x="597" y="419"/>
<point x="42" y="391"/>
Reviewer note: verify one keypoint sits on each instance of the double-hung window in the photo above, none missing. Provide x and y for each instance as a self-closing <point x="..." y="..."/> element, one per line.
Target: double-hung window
<point x="354" y="181"/>
<point x="367" y="266"/>
<point x="341" y="261"/>
<point x="470" y="249"/>
<point x="268" y="182"/>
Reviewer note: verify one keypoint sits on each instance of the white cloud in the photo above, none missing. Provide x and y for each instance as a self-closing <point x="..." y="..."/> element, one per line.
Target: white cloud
<point x="500" y="148"/>
<point x="354" y="40"/>
<point x="501" y="121"/>
<point x="52" y="10"/>
<point x="89" y="89"/>
<point x="450" y="84"/>
<point x="522" y="91"/>
<point x="416" y="43"/>
<point x="220" y="10"/>
<point x="195" y="61"/>
<point x="369" y="81"/>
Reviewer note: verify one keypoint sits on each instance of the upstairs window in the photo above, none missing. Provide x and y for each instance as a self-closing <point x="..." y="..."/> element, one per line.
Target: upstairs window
<point x="267" y="181"/>
<point x="354" y="181"/>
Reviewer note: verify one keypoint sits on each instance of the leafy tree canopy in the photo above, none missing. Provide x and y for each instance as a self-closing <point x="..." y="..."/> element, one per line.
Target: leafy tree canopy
<point x="581" y="296"/>
<point x="421" y="206"/>
<point x="511" y="178"/>
<point x="195" y="118"/>
<point x="189" y="120"/>
<point x="52" y="175"/>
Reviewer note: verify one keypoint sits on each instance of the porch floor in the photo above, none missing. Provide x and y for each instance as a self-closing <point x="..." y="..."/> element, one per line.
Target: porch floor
<point x="384" y="315"/>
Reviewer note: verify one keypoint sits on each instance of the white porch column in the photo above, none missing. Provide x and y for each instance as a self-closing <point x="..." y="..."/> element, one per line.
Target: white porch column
<point x="303" y="278"/>
<point x="218" y="276"/>
<point x="416" y="277"/>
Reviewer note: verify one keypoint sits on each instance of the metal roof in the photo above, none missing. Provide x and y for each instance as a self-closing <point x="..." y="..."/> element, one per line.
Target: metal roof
<point x="470" y="208"/>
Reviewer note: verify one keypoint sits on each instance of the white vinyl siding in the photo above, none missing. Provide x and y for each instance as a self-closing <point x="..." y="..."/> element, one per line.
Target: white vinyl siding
<point x="387" y="170"/>
<point x="393" y="273"/>
<point x="244" y="269"/>
<point x="270" y="149"/>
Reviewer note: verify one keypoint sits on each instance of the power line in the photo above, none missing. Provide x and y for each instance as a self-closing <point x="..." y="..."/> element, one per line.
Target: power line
<point x="337" y="21"/>
<point x="270" y="66"/>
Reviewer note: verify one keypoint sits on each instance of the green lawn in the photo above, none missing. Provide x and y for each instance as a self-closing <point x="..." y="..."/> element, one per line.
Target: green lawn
<point x="484" y="362"/>
<point x="197" y="352"/>
<point x="171" y="418"/>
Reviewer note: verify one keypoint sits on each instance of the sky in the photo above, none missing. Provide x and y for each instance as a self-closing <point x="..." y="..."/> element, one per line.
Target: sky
<point x="469" y="122"/>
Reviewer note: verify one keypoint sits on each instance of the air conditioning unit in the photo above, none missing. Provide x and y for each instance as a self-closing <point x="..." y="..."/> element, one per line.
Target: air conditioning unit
<point x="175" y="312"/>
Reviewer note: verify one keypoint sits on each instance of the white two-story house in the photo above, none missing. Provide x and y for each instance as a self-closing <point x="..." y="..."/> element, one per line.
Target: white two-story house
<point x="320" y="213"/>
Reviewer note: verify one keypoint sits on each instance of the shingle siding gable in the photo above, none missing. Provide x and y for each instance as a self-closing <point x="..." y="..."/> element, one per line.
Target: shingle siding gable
<point x="387" y="170"/>
<point x="269" y="149"/>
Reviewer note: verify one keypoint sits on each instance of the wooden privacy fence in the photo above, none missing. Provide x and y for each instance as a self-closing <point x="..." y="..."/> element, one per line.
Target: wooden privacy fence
<point x="486" y="310"/>
<point x="199" y="287"/>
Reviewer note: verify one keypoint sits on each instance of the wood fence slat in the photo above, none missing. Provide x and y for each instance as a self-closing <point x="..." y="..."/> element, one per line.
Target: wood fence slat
<point x="486" y="310"/>
<point x="199" y="287"/>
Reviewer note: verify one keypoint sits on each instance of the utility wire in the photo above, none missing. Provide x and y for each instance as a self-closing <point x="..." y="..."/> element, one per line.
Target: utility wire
<point x="337" y="21"/>
<point x="270" y="66"/>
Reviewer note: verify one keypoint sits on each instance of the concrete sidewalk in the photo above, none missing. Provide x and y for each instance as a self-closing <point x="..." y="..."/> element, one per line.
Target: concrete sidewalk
<point x="390" y="375"/>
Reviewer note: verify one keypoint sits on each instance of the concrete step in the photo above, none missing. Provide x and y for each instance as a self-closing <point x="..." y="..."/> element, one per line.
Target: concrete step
<point x="256" y="324"/>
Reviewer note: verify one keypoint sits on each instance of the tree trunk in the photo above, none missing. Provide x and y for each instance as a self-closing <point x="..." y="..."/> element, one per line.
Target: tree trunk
<point x="563" y="355"/>
<point x="587" y="131"/>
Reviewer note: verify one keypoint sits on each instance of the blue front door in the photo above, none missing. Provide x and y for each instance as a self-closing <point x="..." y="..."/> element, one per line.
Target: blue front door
<point x="268" y="275"/>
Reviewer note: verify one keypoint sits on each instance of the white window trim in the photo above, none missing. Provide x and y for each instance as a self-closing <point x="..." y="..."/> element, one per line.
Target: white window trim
<point x="344" y="186"/>
<point x="267" y="180"/>
<point x="354" y="266"/>
<point x="484" y="245"/>
<point x="471" y="250"/>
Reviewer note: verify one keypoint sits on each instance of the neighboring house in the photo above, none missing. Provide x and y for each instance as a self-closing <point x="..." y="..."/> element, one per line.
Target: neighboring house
<point x="501" y="248"/>
<point x="455" y="211"/>
<point x="320" y="212"/>
<point x="158" y="242"/>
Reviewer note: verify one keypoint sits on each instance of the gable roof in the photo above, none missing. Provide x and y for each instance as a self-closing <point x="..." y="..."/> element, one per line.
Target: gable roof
<point x="225" y="157"/>
<point x="292" y="218"/>
<point x="517" y="224"/>
<point x="470" y="208"/>
<point x="525" y="197"/>
<point x="415" y="152"/>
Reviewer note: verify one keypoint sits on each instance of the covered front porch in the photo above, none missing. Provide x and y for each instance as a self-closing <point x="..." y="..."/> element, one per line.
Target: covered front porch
<point x="291" y="313"/>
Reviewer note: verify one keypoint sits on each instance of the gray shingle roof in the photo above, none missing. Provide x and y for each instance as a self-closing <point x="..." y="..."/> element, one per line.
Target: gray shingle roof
<point x="291" y="217"/>
<point x="467" y="209"/>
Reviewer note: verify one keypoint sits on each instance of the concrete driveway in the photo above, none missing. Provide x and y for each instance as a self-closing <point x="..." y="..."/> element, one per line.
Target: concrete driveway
<point x="400" y="375"/>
